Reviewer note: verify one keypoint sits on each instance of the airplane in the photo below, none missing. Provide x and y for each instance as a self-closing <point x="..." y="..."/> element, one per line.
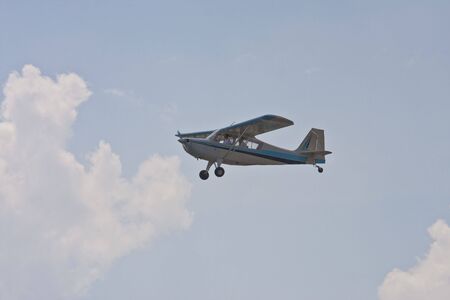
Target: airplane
<point x="237" y="145"/>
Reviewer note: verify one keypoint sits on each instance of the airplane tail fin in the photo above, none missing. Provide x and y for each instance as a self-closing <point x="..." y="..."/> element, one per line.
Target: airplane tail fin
<point x="313" y="146"/>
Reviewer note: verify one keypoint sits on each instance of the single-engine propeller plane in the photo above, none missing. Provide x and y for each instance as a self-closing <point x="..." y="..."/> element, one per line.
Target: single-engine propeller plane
<point x="237" y="145"/>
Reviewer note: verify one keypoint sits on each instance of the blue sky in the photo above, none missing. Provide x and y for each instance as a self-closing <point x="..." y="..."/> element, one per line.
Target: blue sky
<point x="374" y="74"/>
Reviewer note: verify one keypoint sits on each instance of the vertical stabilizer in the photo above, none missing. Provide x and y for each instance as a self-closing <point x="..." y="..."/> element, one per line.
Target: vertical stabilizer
<point x="314" y="141"/>
<point x="313" y="146"/>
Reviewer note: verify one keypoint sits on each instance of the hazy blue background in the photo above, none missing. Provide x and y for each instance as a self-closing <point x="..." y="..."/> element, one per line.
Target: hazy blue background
<point x="375" y="75"/>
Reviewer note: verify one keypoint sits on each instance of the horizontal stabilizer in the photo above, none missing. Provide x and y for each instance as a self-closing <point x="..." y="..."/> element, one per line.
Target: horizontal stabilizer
<point x="315" y="152"/>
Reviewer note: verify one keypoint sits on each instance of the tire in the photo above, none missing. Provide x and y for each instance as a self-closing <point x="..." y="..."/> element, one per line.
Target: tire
<point x="219" y="172"/>
<point x="203" y="174"/>
<point x="320" y="169"/>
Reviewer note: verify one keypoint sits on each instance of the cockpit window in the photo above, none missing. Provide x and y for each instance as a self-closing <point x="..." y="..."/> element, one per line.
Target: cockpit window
<point x="231" y="140"/>
<point x="225" y="139"/>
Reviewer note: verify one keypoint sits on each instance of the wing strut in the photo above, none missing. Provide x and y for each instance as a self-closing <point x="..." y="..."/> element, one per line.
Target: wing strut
<point x="234" y="145"/>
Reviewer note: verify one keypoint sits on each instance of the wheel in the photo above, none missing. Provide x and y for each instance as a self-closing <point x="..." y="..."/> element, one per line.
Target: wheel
<point x="219" y="172"/>
<point x="204" y="174"/>
<point x="320" y="169"/>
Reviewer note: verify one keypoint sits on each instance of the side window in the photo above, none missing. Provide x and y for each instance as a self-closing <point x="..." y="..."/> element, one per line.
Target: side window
<point x="219" y="139"/>
<point x="248" y="144"/>
<point x="243" y="143"/>
<point x="253" y="145"/>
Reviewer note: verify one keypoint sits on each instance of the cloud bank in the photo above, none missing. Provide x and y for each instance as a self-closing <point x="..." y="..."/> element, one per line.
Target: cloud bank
<point x="62" y="223"/>
<point x="430" y="278"/>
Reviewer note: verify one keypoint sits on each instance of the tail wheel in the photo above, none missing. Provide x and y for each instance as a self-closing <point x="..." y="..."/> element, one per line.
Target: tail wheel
<point x="320" y="169"/>
<point x="219" y="172"/>
<point x="203" y="174"/>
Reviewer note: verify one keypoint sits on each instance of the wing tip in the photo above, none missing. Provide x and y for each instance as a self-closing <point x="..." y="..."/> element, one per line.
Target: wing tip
<point x="271" y="117"/>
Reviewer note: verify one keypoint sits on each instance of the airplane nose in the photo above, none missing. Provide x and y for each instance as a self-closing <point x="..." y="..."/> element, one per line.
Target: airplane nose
<point x="183" y="141"/>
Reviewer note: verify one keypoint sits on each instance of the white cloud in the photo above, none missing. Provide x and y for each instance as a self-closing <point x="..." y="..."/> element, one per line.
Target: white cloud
<point x="430" y="278"/>
<point x="62" y="224"/>
<point x="116" y="92"/>
<point x="126" y="95"/>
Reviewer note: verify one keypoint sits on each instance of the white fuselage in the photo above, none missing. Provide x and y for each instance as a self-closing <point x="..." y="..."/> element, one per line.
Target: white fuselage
<point x="231" y="154"/>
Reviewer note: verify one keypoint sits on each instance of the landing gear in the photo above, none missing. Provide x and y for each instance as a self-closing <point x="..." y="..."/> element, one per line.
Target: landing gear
<point x="204" y="174"/>
<point x="319" y="169"/>
<point x="219" y="171"/>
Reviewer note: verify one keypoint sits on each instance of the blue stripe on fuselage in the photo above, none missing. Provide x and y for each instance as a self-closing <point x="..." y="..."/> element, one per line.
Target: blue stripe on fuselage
<point x="267" y="154"/>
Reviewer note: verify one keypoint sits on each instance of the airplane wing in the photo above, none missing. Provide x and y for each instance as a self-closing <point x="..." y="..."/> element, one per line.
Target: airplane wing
<point x="254" y="127"/>
<point x="250" y="128"/>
